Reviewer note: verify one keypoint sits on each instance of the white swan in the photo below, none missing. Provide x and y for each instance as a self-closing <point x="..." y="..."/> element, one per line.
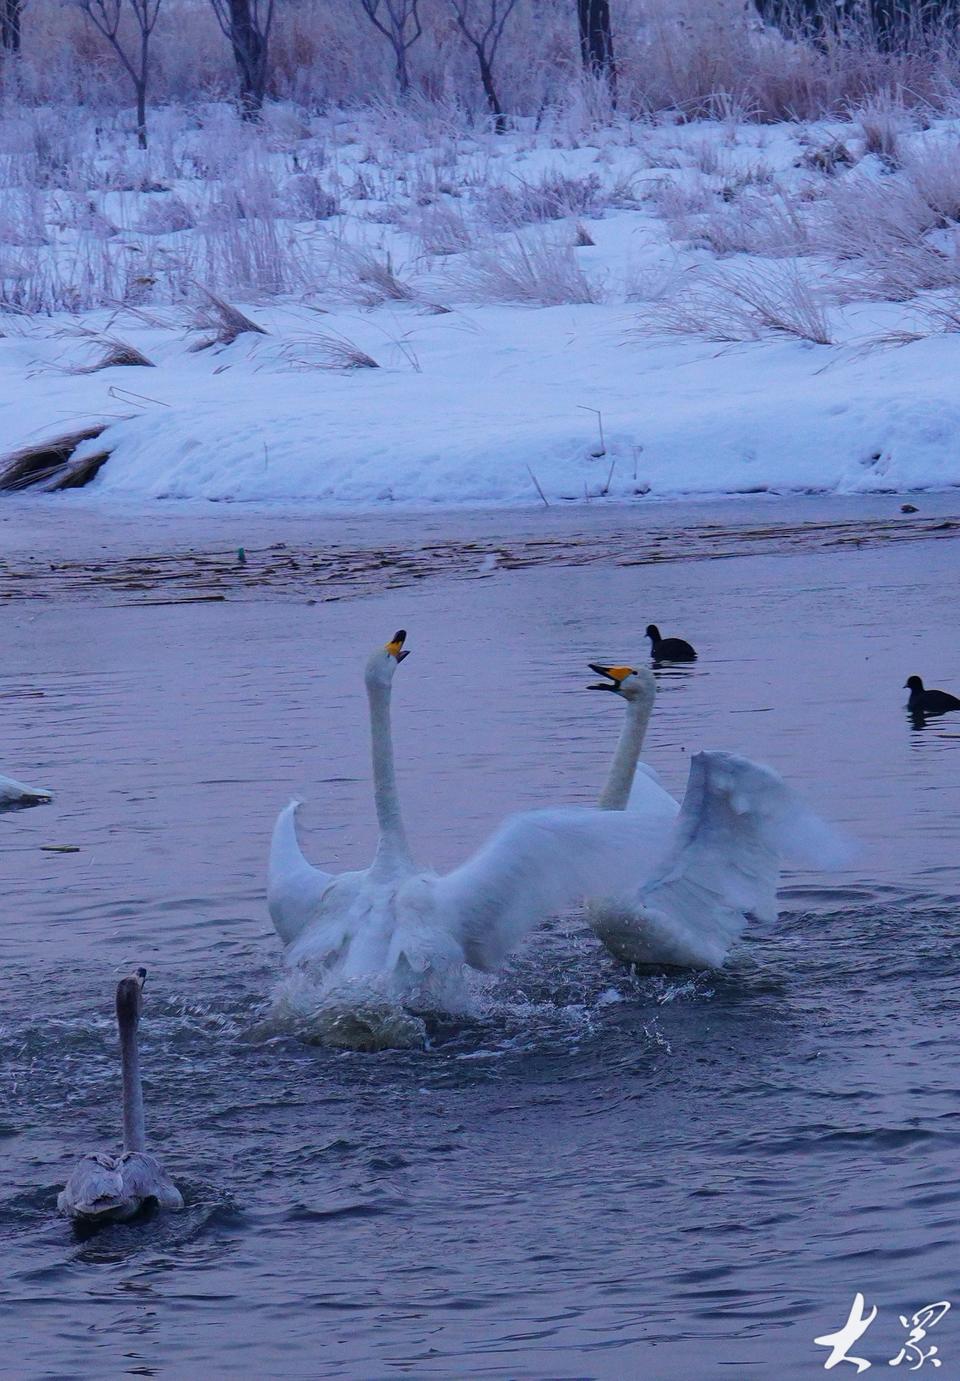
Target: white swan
<point x="411" y="930"/>
<point x="722" y="864"/>
<point x="14" y="793"/>
<point x="106" y="1187"/>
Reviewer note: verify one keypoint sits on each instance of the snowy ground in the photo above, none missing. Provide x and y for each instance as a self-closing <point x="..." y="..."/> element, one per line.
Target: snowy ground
<point x="749" y="308"/>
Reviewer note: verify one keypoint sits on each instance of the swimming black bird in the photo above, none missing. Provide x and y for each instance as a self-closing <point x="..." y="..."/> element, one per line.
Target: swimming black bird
<point x="928" y="701"/>
<point x="669" y="649"/>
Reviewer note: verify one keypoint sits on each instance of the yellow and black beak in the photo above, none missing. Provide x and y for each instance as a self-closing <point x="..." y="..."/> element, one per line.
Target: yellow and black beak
<point x="395" y="645"/>
<point x="615" y="676"/>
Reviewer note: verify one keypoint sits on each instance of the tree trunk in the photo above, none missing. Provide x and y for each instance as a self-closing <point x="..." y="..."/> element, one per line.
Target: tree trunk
<point x="403" y="76"/>
<point x="596" y="39"/>
<point x="486" y="77"/>
<point x="250" y="56"/>
<point x="10" y="15"/>
<point x="142" y="114"/>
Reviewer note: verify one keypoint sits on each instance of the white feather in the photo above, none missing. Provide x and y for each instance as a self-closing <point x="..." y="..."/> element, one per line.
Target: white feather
<point x="294" y="887"/>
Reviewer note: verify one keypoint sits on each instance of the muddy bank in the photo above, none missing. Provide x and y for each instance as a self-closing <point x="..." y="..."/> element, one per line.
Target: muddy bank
<point x="151" y="561"/>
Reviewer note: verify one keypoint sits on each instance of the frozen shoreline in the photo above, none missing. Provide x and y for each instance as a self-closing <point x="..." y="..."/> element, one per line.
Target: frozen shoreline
<point x="501" y="410"/>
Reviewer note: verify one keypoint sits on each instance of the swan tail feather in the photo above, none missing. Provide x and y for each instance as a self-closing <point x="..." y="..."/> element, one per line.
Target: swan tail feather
<point x="294" y="887"/>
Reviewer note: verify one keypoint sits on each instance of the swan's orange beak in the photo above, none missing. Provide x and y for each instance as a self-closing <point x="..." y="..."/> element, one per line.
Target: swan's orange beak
<point x="395" y="645"/>
<point x="615" y="674"/>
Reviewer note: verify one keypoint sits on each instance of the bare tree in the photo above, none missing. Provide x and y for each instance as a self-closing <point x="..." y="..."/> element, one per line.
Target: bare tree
<point x="246" y="23"/>
<point x="106" y="16"/>
<point x="596" y="40"/>
<point x="481" y="23"/>
<point x="398" y="16"/>
<point x="10" y="15"/>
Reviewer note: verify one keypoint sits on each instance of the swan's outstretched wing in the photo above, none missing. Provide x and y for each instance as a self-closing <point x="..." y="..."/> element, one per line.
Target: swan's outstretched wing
<point x="649" y="794"/>
<point x="294" y="887"/>
<point x="14" y="793"/>
<point x="539" y="863"/>
<point x="737" y="821"/>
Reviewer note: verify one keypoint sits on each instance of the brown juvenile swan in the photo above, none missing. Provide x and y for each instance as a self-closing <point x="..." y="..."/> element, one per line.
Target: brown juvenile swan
<point x="104" y="1187"/>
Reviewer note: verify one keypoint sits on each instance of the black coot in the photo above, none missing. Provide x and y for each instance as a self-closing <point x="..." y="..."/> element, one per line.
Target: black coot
<point x="928" y="701"/>
<point x="669" y="649"/>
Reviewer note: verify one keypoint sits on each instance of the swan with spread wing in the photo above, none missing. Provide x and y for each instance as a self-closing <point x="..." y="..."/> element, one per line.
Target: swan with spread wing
<point x="410" y="929"/>
<point x="721" y="863"/>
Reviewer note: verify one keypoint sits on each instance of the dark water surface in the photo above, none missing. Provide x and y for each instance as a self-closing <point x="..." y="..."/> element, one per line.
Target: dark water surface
<point x="597" y="1176"/>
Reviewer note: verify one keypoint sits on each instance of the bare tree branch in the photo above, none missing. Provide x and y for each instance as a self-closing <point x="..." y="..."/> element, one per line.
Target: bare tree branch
<point x="399" y="16"/>
<point x="482" y="22"/>
<point x="106" y="17"/>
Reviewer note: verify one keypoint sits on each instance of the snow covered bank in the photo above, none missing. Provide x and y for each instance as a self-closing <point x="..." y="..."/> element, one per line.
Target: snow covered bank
<point x="684" y="288"/>
<point x="499" y="404"/>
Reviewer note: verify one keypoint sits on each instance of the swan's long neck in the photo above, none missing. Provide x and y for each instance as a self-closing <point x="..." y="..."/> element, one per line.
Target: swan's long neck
<point x="134" y="1138"/>
<point x="392" y="849"/>
<point x="616" y="793"/>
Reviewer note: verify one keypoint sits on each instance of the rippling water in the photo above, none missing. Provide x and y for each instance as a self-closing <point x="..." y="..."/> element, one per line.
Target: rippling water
<point x="596" y="1175"/>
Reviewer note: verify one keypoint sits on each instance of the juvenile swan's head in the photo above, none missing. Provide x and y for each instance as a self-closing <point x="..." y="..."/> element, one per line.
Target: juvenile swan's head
<point x="130" y="998"/>
<point x="385" y="660"/>
<point x="632" y="685"/>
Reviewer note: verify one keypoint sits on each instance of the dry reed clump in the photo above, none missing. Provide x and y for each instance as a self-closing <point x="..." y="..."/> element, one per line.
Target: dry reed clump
<point x="116" y="353"/>
<point x="441" y="230"/>
<point x="882" y="229"/>
<point x="933" y="169"/>
<point x="326" y="350"/>
<point x="743" y="305"/>
<point x="940" y="317"/>
<point x="369" y="278"/>
<point x="886" y="123"/>
<point x="305" y="197"/>
<point x="535" y="270"/>
<point x="553" y="197"/>
<point x="222" y="322"/>
<point x="166" y="216"/>
<point x="769" y="224"/>
<point x="50" y="465"/>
